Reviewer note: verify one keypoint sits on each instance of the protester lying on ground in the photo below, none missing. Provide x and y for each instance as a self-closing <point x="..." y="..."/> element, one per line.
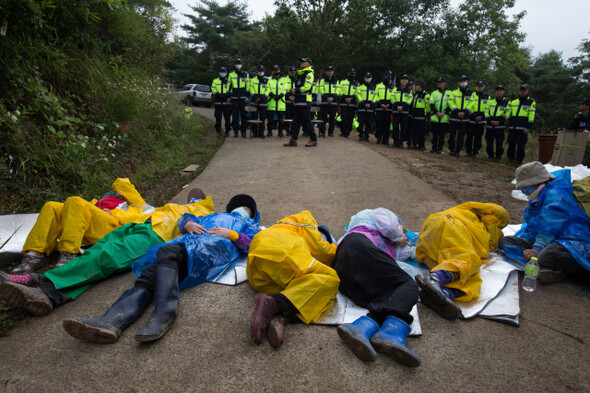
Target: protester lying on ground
<point x="210" y="244"/>
<point x="555" y="230"/>
<point x="453" y="244"/>
<point x="289" y="265"/>
<point x="40" y="293"/>
<point x="369" y="275"/>
<point x="73" y="223"/>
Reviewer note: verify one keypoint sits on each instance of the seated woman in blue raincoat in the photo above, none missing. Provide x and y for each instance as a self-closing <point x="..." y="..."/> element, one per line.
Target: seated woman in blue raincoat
<point x="555" y="230"/>
<point x="210" y="245"/>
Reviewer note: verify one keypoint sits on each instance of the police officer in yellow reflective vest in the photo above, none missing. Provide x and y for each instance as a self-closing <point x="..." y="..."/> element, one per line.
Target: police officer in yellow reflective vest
<point x="401" y="105"/>
<point x="383" y="108"/>
<point x="365" y="96"/>
<point x="328" y="91"/>
<point x="290" y="81"/>
<point x="275" y="87"/>
<point x="221" y="95"/>
<point x="522" y="117"/>
<point x="302" y="104"/>
<point x="419" y="108"/>
<point x="240" y="84"/>
<point x="439" y="121"/>
<point x="496" y="115"/>
<point x="477" y="119"/>
<point x="459" y="115"/>
<point x="259" y="99"/>
<point x="348" y="88"/>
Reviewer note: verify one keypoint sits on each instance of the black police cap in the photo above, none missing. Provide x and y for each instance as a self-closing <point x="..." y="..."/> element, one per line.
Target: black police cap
<point x="480" y="83"/>
<point x="292" y="69"/>
<point x="441" y="79"/>
<point x="422" y="83"/>
<point x="238" y="61"/>
<point x="368" y="75"/>
<point x="404" y="76"/>
<point x="524" y="86"/>
<point x="276" y="67"/>
<point x="260" y="68"/>
<point x="352" y="70"/>
<point x="329" y="68"/>
<point x="463" y="78"/>
<point x="500" y="87"/>
<point x="307" y="59"/>
<point x="222" y="69"/>
<point x="585" y="102"/>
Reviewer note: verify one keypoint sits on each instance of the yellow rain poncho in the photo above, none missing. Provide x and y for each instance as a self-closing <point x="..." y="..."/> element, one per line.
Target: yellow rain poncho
<point x="459" y="240"/>
<point x="78" y="221"/>
<point x="292" y="258"/>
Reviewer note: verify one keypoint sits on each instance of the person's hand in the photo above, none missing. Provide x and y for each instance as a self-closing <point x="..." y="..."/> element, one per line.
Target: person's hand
<point x="504" y="115"/>
<point x="106" y="210"/>
<point x="219" y="231"/>
<point x="291" y="98"/>
<point x="228" y="100"/>
<point x="292" y="91"/>
<point x="528" y="254"/>
<point x="461" y="115"/>
<point x="330" y="99"/>
<point x="400" y="108"/>
<point x="478" y="118"/>
<point x="526" y="130"/>
<point x="348" y="100"/>
<point x="386" y="106"/>
<point x="440" y="115"/>
<point x="245" y="100"/>
<point x="194" y="229"/>
<point x="367" y="106"/>
<point x="495" y="122"/>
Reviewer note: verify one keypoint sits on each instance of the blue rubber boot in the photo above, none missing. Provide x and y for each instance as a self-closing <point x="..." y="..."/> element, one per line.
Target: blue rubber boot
<point x="391" y="339"/>
<point x="357" y="335"/>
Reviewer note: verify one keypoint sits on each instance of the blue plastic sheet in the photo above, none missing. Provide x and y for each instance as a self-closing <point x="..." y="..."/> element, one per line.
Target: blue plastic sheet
<point x="555" y="212"/>
<point x="208" y="255"/>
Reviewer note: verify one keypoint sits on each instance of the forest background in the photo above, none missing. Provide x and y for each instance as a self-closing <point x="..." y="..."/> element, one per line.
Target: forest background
<point x="83" y="87"/>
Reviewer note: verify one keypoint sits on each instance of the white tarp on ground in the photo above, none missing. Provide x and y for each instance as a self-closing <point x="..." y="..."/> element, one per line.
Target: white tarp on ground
<point x="579" y="172"/>
<point x="18" y="224"/>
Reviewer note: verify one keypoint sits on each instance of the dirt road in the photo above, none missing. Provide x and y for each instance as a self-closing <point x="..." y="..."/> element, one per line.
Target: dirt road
<point x="209" y="349"/>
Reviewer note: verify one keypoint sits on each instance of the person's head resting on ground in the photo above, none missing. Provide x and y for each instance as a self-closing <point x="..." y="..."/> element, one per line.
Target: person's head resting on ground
<point x="195" y="195"/>
<point x="531" y="178"/>
<point x="242" y="204"/>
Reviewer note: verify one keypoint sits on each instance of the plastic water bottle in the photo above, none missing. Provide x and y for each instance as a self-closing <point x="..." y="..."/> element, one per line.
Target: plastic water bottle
<point x="531" y="271"/>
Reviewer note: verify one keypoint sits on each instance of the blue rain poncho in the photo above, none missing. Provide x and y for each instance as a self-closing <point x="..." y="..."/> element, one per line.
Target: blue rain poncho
<point x="556" y="213"/>
<point x="208" y="255"/>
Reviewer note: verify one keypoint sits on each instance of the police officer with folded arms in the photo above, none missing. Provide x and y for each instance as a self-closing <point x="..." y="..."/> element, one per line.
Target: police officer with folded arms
<point x="348" y="88"/>
<point x="221" y="95"/>
<point x="401" y="105"/>
<point x="365" y="96"/>
<point x="383" y="108"/>
<point x="439" y="120"/>
<point x="459" y="115"/>
<point x="328" y="91"/>
<point x="477" y="119"/>
<point x="522" y="118"/>
<point x="496" y="114"/>
<point x="240" y="84"/>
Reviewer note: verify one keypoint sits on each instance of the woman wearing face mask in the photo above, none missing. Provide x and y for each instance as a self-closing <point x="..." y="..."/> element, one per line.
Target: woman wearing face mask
<point x="209" y="245"/>
<point x="221" y="94"/>
<point x="555" y="230"/>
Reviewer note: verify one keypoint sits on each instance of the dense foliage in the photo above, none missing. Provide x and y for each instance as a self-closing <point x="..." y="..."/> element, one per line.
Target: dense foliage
<point x="81" y="99"/>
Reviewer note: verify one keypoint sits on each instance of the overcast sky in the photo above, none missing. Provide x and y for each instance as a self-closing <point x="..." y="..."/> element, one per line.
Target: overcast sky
<point x="549" y="24"/>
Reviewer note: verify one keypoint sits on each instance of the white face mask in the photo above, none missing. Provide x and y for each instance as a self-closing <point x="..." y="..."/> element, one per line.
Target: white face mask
<point x="242" y="212"/>
<point x="238" y="67"/>
<point x="261" y="74"/>
<point x="222" y="74"/>
<point x="463" y="84"/>
<point x="368" y="80"/>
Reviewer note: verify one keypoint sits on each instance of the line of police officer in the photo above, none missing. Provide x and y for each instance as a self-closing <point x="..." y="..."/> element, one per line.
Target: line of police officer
<point x="400" y="112"/>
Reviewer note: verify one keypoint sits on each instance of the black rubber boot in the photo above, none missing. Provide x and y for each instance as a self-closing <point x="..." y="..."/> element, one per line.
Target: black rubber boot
<point x="107" y="328"/>
<point x="165" y="304"/>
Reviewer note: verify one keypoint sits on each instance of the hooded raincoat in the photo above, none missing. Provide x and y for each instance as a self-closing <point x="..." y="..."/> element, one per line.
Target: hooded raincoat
<point x="292" y="258"/>
<point x="555" y="213"/>
<point x="208" y="255"/>
<point x="459" y="240"/>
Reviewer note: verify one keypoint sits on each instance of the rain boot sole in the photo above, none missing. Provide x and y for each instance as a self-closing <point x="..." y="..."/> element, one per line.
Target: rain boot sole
<point x="85" y="332"/>
<point x="14" y="297"/>
<point x="259" y="323"/>
<point x="153" y="337"/>
<point x="398" y="352"/>
<point x="275" y="333"/>
<point x="359" y="345"/>
<point x="429" y="297"/>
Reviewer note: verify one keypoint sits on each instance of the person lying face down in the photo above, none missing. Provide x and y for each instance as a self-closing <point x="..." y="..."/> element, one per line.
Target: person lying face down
<point x="555" y="229"/>
<point x="453" y="244"/>
<point x="208" y="246"/>
<point x="289" y="265"/>
<point x="370" y="276"/>
<point x="39" y="294"/>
